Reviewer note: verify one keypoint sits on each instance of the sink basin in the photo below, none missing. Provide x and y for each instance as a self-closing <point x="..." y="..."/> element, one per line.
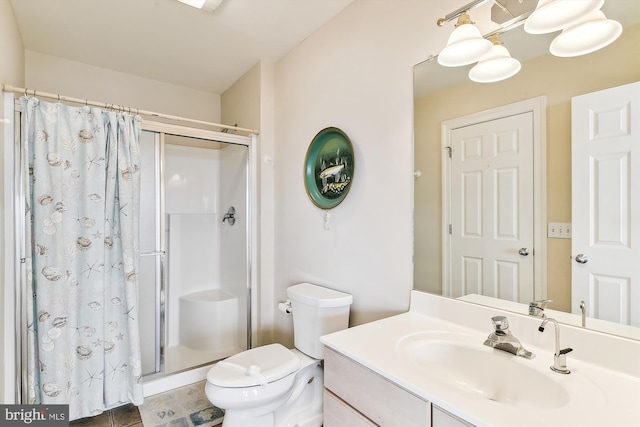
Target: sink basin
<point x="457" y="360"/>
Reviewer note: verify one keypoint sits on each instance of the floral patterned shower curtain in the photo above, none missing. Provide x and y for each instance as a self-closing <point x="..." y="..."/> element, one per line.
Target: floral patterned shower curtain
<point x="82" y="256"/>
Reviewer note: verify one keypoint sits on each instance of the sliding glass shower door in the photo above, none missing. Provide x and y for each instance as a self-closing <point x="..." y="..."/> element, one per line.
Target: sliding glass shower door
<point x="194" y="293"/>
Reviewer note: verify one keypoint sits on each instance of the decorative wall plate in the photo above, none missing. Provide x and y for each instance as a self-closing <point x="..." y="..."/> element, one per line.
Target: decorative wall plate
<point x="329" y="167"/>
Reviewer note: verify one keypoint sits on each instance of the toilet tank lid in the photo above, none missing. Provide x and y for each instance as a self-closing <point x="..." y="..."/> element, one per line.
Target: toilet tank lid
<point x="318" y="296"/>
<point x="258" y="366"/>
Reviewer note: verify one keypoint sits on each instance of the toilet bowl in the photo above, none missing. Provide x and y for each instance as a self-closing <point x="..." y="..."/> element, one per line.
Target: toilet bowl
<point x="267" y="386"/>
<point x="273" y="386"/>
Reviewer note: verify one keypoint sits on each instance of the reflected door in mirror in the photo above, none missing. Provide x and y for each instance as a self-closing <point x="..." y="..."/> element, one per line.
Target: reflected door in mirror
<point x="606" y="204"/>
<point x="492" y="209"/>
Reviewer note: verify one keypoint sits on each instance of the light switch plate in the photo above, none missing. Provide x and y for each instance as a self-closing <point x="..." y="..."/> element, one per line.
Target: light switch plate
<point x="559" y="230"/>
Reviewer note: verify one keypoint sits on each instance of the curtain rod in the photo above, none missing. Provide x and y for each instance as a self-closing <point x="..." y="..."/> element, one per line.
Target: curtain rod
<point x="37" y="93"/>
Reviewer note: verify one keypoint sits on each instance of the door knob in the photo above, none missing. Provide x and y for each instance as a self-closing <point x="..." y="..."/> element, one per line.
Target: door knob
<point x="523" y="251"/>
<point x="582" y="259"/>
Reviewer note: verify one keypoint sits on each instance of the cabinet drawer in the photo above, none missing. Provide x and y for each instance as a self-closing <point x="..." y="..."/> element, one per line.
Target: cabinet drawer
<point x="442" y="418"/>
<point x="339" y="414"/>
<point x="378" y="399"/>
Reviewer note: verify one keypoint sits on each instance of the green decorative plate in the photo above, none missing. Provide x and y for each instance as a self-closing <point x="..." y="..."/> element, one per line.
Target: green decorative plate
<point x="328" y="168"/>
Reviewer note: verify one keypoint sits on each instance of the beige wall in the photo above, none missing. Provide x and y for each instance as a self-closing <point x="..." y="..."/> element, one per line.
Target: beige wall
<point x="557" y="78"/>
<point x="75" y="79"/>
<point x="249" y="104"/>
<point x="355" y="73"/>
<point x="241" y="102"/>
<point x="12" y="73"/>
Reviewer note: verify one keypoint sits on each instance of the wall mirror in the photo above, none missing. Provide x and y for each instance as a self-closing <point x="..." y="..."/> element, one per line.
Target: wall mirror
<point x="443" y="94"/>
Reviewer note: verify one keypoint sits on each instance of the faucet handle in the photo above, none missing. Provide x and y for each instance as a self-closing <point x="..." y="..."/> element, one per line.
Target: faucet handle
<point x="560" y="361"/>
<point x="565" y="351"/>
<point x="500" y="323"/>
<point x="536" y="308"/>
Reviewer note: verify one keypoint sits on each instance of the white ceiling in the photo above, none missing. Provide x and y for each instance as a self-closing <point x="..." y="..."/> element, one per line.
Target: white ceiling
<point x="168" y="41"/>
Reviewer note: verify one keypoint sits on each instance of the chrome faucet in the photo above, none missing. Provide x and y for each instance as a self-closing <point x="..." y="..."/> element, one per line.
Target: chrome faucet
<point x="560" y="356"/>
<point x="536" y="308"/>
<point x="502" y="339"/>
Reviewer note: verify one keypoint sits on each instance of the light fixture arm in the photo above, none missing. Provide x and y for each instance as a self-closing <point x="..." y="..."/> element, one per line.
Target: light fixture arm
<point x="456" y="13"/>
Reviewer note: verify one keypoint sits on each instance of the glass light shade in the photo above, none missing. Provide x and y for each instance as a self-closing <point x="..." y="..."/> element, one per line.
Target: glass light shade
<point x="554" y="15"/>
<point x="495" y="66"/>
<point x="588" y="35"/>
<point x="465" y="46"/>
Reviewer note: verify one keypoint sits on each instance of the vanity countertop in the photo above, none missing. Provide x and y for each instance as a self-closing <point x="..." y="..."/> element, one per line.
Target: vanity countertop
<point x="599" y="394"/>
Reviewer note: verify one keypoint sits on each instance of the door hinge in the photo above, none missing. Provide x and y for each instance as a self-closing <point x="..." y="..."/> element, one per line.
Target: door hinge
<point x="450" y="229"/>
<point x="450" y="150"/>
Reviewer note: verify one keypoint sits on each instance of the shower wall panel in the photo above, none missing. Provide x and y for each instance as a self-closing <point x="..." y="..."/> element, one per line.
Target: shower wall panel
<point x="194" y="262"/>
<point x="192" y="182"/>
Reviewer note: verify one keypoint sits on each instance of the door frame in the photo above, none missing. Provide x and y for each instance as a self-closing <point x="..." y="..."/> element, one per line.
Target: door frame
<point x="538" y="107"/>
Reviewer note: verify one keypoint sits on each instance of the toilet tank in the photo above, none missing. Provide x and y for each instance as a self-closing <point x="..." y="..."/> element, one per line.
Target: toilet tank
<point x="317" y="311"/>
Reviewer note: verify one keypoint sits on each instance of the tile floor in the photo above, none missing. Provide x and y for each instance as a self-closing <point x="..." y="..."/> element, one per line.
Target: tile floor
<point x="183" y="407"/>
<point x="124" y="416"/>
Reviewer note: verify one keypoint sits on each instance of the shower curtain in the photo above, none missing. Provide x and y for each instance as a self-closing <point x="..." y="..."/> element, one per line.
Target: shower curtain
<point x="82" y="250"/>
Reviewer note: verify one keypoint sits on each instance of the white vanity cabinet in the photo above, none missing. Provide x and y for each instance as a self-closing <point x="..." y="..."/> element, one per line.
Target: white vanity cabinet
<point x="355" y="396"/>
<point x="376" y="375"/>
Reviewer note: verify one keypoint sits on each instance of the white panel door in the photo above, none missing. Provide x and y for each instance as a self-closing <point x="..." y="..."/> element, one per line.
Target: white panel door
<point x="606" y="204"/>
<point x="492" y="209"/>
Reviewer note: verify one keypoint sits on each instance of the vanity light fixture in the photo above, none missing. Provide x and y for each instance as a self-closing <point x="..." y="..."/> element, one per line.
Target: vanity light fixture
<point x="584" y="26"/>
<point x="496" y="65"/>
<point x="465" y="45"/>
<point x="587" y="35"/>
<point x="206" y="5"/>
<point x="554" y="15"/>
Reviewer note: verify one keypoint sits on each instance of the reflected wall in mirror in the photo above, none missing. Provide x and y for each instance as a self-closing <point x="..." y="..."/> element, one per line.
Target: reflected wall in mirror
<point x="443" y="94"/>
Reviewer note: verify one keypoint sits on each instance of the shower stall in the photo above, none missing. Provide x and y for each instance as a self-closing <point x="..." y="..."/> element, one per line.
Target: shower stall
<point x="194" y="248"/>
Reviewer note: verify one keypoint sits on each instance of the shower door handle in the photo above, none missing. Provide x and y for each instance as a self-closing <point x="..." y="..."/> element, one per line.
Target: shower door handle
<point x="156" y="253"/>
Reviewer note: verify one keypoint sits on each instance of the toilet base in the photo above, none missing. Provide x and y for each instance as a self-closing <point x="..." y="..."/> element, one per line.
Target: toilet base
<point x="305" y="410"/>
<point x="245" y="419"/>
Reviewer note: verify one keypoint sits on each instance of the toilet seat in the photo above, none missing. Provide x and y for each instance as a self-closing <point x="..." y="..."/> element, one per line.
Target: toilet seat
<point x="258" y="366"/>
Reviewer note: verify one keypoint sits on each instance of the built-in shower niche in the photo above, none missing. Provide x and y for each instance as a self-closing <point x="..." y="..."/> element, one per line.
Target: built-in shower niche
<point x="202" y="312"/>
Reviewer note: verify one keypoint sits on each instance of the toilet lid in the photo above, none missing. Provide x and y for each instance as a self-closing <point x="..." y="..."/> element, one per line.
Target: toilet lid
<point x="258" y="366"/>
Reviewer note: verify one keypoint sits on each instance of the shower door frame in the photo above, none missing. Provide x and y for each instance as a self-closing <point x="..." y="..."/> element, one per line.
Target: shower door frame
<point x="14" y="313"/>
<point x="160" y="130"/>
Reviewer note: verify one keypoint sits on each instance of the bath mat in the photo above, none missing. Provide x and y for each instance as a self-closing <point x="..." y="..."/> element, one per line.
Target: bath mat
<point x="183" y="407"/>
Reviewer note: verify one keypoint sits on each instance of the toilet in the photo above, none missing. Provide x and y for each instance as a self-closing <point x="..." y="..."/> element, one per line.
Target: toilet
<point x="273" y="386"/>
